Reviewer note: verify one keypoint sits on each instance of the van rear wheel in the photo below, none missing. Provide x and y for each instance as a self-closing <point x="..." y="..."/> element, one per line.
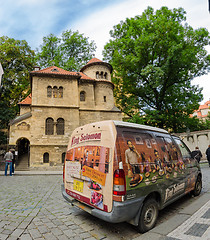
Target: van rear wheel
<point x="198" y="186"/>
<point x="148" y="216"/>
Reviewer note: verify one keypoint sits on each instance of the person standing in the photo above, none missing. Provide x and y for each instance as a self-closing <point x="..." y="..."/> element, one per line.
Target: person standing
<point x="8" y="159"/>
<point x="197" y="154"/>
<point x="208" y="154"/>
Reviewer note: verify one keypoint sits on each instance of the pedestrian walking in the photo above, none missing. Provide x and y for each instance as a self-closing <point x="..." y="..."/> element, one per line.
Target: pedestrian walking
<point x="8" y="162"/>
<point x="208" y="154"/>
<point x="197" y="154"/>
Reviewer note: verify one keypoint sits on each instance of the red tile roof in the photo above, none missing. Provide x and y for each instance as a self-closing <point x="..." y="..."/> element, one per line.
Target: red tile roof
<point x="55" y="70"/>
<point x="205" y="105"/>
<point x="26" y="101"/>
<point x="199" y="112"/>
<point x="93" y="60"/>
<point x="59" y="71"/>
<point x="84" y="76"/>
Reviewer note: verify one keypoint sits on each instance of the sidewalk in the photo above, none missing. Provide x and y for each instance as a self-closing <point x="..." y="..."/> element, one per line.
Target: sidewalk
<point x="19" y="173"/>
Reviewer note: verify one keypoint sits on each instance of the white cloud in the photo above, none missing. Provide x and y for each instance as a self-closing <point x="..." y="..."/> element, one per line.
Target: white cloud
<point x="98" y="24"/>
<point x="29" y="20"/>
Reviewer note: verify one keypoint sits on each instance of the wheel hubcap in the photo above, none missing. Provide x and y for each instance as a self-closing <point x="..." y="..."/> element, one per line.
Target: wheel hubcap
<point x="198" y="186"/>
<point x="149" y="215"/>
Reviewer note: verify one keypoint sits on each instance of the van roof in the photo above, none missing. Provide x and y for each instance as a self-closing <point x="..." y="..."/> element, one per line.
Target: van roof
<point x="139" y="126"/>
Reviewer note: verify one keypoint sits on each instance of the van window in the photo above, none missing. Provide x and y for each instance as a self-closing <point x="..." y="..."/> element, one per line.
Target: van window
<point x="96" y="157"/>
<point x="183" y="148"/>
<point x="168" y="149"/>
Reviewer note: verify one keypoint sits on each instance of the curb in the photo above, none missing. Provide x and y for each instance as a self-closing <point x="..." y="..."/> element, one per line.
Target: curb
<point x="33" y="173"/>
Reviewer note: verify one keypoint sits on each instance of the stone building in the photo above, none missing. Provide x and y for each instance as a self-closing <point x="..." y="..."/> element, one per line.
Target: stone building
<point x="59" y="102"/>
<point x="203" y="110"/>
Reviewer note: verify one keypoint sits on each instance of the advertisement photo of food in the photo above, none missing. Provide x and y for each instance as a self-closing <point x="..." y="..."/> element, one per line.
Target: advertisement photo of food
<point x="137" y="178"/>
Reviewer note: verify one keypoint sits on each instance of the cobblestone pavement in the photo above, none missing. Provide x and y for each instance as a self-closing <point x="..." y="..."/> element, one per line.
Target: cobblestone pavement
<point x="32" y="207"/>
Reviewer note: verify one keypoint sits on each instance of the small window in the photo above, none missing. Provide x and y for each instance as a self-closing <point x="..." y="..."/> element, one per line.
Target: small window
<point x="97" y="75"/>
<point x="60" y="126"/>
<point x="102" y="75"/>
<point x="104" y="98"/>
<point x="49" y="91"/>
<point x="63" y="157"/>
<point x="54" y="70"/>
<point x="105" y="75"/>
<point x="82" y="96"/>
<point x="60" y="92"/>
<point x="55" y="92"/>
<point x="49" y="126"/>
<point x="46" y="157"/>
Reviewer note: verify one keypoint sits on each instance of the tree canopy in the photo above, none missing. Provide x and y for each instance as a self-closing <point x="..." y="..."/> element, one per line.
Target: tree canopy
<point x="71" y="51"/>
<point x="155" y="57"/>
<point x="17" y="60"/>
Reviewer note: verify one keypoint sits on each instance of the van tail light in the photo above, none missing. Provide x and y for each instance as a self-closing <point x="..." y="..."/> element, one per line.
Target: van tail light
<point x="119" y="186"/>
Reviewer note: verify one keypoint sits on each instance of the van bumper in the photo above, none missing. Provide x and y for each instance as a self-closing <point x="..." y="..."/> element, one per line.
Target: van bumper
<point x="121" y="211"/>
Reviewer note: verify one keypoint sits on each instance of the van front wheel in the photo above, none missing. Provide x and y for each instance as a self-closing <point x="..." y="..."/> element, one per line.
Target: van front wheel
<point x="198" y="186"/>
<point x="148" y="216"/>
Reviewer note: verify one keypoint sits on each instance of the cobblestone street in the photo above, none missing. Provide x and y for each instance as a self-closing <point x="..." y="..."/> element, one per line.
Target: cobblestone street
<point x="32" y="207"/>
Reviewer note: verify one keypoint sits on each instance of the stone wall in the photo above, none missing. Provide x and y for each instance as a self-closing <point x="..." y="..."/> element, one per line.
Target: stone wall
<point x="199" y="139"/>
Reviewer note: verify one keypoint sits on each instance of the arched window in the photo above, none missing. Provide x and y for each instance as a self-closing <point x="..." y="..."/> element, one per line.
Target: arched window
<point x="60" y="92"/>
<point x="63" y="157"/>
<point x="46" y="157"/>
<point x="102" y="75"/>
<point x="97" y="75"/>
<point x="55" y="92"/>
<point x="49" y="91"/>
<point x="104" y="98"/>
<point x="82" y="96"/>
<point x="105" y="75"/>
<point x="49" y="126"/>
<point x="60" y="126"/>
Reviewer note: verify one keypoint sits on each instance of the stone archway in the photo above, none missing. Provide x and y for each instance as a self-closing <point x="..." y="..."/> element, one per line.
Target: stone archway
<point x="23" y="157"/>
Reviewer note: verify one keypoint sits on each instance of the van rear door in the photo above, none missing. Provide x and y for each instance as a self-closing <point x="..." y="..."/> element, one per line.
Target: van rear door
<point x="89" y="165"/>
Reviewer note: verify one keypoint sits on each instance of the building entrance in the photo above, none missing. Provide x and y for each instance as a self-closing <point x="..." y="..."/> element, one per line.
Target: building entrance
<point x="23" y="157"/>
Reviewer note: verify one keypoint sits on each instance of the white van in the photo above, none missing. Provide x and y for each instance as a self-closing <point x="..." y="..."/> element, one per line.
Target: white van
<point x="119" y="171"/>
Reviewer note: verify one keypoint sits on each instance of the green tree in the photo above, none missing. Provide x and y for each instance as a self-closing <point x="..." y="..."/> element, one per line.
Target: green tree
<point x="49" y="54"/>
<point x="71" y="51"/>
<point x="17" y="60"/>
<point x="155" y="57"/>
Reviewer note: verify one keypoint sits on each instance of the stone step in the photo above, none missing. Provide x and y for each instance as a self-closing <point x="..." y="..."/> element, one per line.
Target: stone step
<point x="22" y="163"/>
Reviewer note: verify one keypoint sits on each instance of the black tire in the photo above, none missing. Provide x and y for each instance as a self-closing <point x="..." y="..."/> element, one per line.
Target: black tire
<point x="198" y="186"/>
<point x="148" y="216"/>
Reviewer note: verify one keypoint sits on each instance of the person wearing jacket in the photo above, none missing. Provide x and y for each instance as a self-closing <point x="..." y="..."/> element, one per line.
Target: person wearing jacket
<point x="8" y="159"/>
<point x="208" y="154"/>
<point x="197" y="154"/>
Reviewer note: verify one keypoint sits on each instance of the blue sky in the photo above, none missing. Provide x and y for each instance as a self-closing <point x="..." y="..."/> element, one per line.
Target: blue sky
<point x="31" y="20"/>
